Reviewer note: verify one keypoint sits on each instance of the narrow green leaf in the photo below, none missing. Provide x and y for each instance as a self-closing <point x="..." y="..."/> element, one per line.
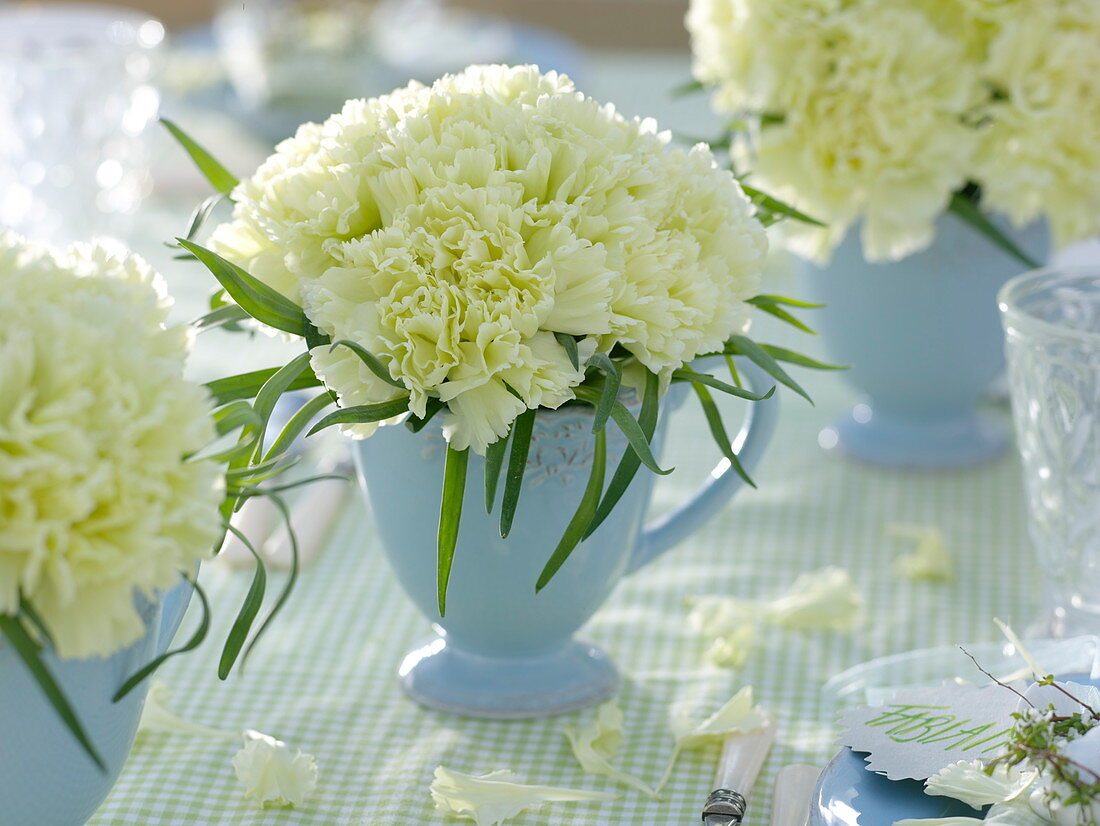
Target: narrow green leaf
<point x="291" y="579"/>
<point x="362" y="414"/>
<point x="968" y="211"/>
<point x="718" y="431"/>
<point x="776" y="207"/>
<point x="250" y="608"/>
<point x="586" y="511"/>
<point x="744" y="346"/>
<point x="252" y="491"/>
<point x="222" y="316"/>
<point x="191" y="644"/>
<point x="372" y="362"/>
<point x="784" y="300"/>
<point x="783" y="354"/>
<point x="247" y="385"/>
<point x="689" y="87"/>
<point x="31" y="655"/>
<point x="784" y="316"/>
<point x="202" y="213"/>
<point x="270" y="394"/>
<point x="450" y="514"/>
<point x="570" y="344"/>
<point x="262" y="470"/>
<point x="522" y="428"/>
<point x="683" y="374"/>
<point x="431" y="408"/>
<point x="494" y="460"/>
<point x="219" y="177"/>
<point x="260" y="301"/>
<point x="26" y="609"/>
<point x="631" y="459"/>
<point x="635" y="437"/>
<point x="735" y="376"/>
<point x="609" y="394"/>
<point x="234" y="415"/>
<point x="297" y="423"/>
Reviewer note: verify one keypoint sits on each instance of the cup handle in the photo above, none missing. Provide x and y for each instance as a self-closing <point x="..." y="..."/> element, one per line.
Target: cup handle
<point x="749" y="445"/>
<point x="173" y="606"/>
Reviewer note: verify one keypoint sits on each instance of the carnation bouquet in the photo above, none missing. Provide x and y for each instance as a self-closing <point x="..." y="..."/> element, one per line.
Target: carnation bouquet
<point x="483" y="248"/>
<point x="890" y="112"/>
<point x="113" y="479"/>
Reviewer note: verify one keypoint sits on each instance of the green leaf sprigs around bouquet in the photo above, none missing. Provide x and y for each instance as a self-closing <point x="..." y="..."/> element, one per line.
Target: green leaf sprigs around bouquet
<point x="964" y="205"/>
<point x="219" y="177"/>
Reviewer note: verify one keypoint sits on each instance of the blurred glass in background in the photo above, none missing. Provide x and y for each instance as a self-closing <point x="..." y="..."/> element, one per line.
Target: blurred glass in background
<point x="75" y="100"/>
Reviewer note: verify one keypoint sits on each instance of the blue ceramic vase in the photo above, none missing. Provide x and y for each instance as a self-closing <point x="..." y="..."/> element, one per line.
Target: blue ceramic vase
<point x="923" y="342"/>
<point x="504" y="651"/>
<point x="46" y="778"/>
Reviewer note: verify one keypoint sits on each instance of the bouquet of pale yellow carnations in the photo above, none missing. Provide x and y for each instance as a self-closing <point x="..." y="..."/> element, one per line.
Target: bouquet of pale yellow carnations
<point x="485" y="247"/>
<point x="890" y="112"/>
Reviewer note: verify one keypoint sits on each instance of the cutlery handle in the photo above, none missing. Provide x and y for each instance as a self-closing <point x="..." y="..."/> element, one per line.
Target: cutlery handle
<point x="794" y="787"/>
<point x="312" y="516"/>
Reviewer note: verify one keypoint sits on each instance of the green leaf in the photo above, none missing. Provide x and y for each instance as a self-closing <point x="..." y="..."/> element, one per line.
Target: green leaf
<point x="688" y="88"/>
<point x="431" y="407"/>
<point x="291" y="579"/>
<point x="586" y="511"/>
<point x="744" y="346"/>
<point x="229" y="314"/>
<point x="635" y="437"/>
<point x="29" y="652"/>
<point x="262" y="470"/>
<point x="202" y="213"/>
<point x="494" y="460"/>
<point x="522" y="428"/>
<point x="683" y="374"/>
<point x="450" y="514"/>
<point x="193" y="643"/>
<point x="784" y="300"/>
<point x="965" y="209"/>
<point x="247" y="385"/>
<point x="362" y="414"/>
<point x="718" y="431"/>
<point x="773" y="309"/>
<point x="270" y="394"/>
<point x="252" y="492"/>
<point x="256" y="298"/>
<point x="235" y="415"/>
<point x="297" y="423"/>
<point x="609" y="395"/>
<point x="372" y="362"/>
<point x="27" y="610"/>
<point x="783" y="354"/>
<point x="774" y="206"/>
<point x="219" y="177"/>
<point x="631" y="459"/>
<point x="570" y="344"/>
<point x="250" y="608"/>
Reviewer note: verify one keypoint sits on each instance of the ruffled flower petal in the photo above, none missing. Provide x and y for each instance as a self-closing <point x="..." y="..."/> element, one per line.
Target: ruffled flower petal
<point x="272" y="774"/>
<point x="492" y="798"/>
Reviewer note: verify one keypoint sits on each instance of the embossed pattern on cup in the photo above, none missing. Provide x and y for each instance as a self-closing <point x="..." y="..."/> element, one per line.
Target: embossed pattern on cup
<point x="1052" y="327"/>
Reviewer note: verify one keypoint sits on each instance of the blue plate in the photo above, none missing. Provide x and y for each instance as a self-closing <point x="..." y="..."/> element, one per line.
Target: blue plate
<point x="847" y="794"/>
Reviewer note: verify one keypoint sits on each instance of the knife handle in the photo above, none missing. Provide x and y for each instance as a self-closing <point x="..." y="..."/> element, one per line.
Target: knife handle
<point x="794" y="786"/>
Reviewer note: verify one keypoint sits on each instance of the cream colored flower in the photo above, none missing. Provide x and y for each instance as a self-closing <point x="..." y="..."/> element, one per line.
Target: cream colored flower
<point x="272" y="774"/>
<point x="930" y="560"/>
<point x="825" y="599"/>
<point x="452" y="230"/>
<point x="492" y="798"/>
<point x="596" y="742"/>
<point x="99" y="503"/>
<point x="969" y="782"/>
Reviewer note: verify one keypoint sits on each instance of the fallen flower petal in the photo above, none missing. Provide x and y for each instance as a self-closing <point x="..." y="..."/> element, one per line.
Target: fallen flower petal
<point x="272" y="773"/>
<point x="968" y="781"/>
<point x="595" y="744"/>
<point x="733" y="649"/>
<point x="495" y="797"/>
<point x="930" y="559"/>
<point x="156" y="718"/>
<point x="821" y="599"/>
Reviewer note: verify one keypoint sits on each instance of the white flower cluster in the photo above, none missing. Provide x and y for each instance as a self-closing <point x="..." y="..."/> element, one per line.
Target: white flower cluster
<point x="96" y="501"/>
<point x="453" y="230"/>
<point x="878" y="110"/>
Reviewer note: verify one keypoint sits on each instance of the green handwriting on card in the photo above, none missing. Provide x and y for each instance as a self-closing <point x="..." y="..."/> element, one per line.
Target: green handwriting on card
<point x="921" y="731"/>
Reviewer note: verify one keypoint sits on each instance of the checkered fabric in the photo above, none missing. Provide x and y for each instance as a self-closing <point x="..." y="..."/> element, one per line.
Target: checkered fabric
<point x="324" y="680"/>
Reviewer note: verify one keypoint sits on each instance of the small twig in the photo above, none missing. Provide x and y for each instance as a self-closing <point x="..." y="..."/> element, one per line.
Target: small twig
<point x="994" y="679"/>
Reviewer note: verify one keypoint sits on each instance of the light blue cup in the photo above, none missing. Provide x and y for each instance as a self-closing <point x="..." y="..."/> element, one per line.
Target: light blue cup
<point x="923" y="342"/>
<point x="503" y="651"/>
<point x="46" y="778"/>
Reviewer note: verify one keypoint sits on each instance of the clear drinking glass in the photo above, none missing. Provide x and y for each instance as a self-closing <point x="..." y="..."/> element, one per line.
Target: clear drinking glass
<point x="1052" y="327"/>
<point x="75" y="100"/>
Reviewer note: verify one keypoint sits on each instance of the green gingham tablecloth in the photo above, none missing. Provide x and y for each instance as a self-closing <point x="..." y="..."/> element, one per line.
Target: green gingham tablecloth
<point x="324" y="679"/>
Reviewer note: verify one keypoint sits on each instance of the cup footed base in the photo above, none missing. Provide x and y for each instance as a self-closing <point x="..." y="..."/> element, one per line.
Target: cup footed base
<point x="439" y="676"/>
<point x="919" y="444"/>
